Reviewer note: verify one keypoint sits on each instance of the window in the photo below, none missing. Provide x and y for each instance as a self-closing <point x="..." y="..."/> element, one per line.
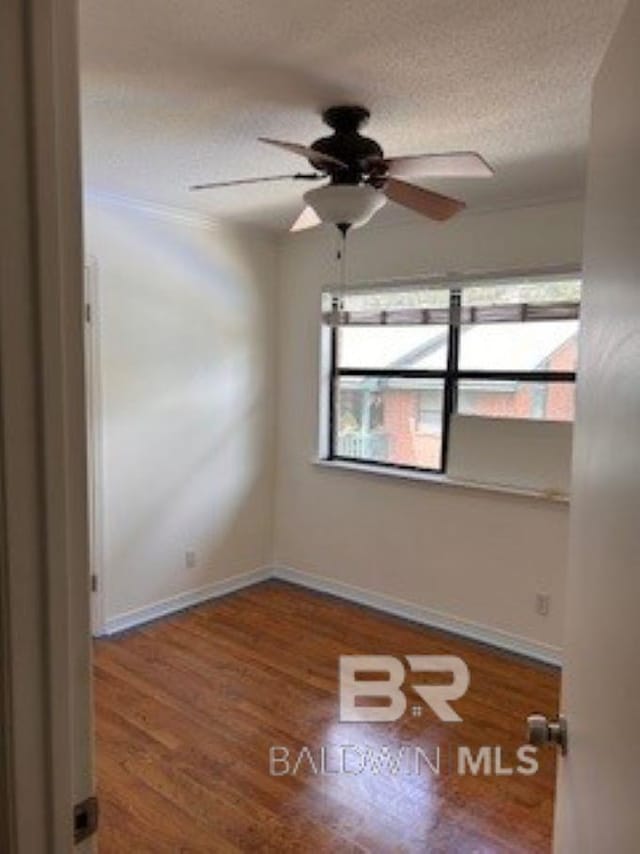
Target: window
<point x="406" y="360"/>
<point x="429" y="413"/>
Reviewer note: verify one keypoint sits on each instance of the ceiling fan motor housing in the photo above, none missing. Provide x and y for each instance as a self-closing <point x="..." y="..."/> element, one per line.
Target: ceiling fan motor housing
<point x="348" y="145"/>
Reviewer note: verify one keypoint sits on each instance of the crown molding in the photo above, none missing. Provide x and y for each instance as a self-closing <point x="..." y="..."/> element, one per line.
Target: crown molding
<point x="495" y="207"/>
<point x="154" y="209"/>
<point x="173" y="214"/>
<point x="200" y="219"/>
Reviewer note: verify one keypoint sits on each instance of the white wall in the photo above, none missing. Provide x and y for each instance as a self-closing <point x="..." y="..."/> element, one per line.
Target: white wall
<point x="186" y="322"/>
<point x="476" y="556"/>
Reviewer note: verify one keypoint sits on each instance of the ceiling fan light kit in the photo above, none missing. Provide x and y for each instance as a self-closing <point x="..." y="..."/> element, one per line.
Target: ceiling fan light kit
<point x="345" y="204"/>
<point x="361" y="179"/>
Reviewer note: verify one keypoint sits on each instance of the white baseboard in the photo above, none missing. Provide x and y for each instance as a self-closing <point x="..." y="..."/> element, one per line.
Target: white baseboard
<point x="164" y="607"/>
<point x="426" y="616"/>
<point x="390" y="605"/>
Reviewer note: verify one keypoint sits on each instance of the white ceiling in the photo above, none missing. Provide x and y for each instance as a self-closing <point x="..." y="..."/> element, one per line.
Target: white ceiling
<point x="176" y="91"/>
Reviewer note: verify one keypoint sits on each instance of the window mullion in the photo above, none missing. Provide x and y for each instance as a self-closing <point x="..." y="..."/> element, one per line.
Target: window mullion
<point x="451" y="380"/>
<point x="333" y="380"/>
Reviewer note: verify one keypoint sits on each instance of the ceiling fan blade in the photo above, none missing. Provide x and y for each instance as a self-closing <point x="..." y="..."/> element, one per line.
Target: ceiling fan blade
<point x="297" y="176"/>
<point x="455" y="164"/>
<point x="307" y="219"/>
<point x="424" y="202"/>
<point x="316" y="157"/>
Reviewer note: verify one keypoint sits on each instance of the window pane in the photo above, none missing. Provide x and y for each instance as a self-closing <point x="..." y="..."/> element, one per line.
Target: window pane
<point x="537" y="346"/>
<point x="390" y="420"/>
<point x="542" y="290"/>
<point x="497" y="399"/>
<point x="418" y="347"/>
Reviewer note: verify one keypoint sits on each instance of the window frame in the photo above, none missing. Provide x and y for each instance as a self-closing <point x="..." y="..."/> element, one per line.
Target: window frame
<point x="451" y="375"/>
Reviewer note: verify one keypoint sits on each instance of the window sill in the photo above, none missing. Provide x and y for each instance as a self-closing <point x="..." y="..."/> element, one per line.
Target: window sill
<point x="443" y="480"/>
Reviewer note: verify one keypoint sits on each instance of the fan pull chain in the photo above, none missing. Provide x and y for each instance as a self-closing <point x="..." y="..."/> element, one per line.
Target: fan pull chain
<point x="342" y="254"/>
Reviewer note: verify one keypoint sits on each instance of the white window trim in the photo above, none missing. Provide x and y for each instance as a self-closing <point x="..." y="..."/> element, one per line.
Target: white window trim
<point x="427" y="478"/>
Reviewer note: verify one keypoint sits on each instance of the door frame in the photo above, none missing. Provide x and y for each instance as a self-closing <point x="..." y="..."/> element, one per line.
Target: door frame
<point x="95" y="447"/>
<point x="45" y="675"/>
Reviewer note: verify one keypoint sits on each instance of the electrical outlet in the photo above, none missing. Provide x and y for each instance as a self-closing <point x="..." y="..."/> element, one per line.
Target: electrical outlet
<point x="543" y="604"/>
<point x="190" y="559"/>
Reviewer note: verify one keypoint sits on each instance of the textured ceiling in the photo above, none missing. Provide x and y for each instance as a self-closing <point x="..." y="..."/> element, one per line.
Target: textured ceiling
<point x="176" y="91"/>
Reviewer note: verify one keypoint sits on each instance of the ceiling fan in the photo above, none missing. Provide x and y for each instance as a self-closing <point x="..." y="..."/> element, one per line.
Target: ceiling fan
<point x="362" y="179"/>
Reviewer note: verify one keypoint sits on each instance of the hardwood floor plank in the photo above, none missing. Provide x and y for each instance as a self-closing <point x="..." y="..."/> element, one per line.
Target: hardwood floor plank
<point x="187" y="709"/>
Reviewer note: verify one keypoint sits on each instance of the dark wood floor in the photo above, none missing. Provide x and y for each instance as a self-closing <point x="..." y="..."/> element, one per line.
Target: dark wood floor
<point x="187" y="709"/>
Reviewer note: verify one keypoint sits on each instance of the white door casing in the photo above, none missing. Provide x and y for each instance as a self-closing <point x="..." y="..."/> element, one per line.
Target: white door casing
<point x="95" y="473"/>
